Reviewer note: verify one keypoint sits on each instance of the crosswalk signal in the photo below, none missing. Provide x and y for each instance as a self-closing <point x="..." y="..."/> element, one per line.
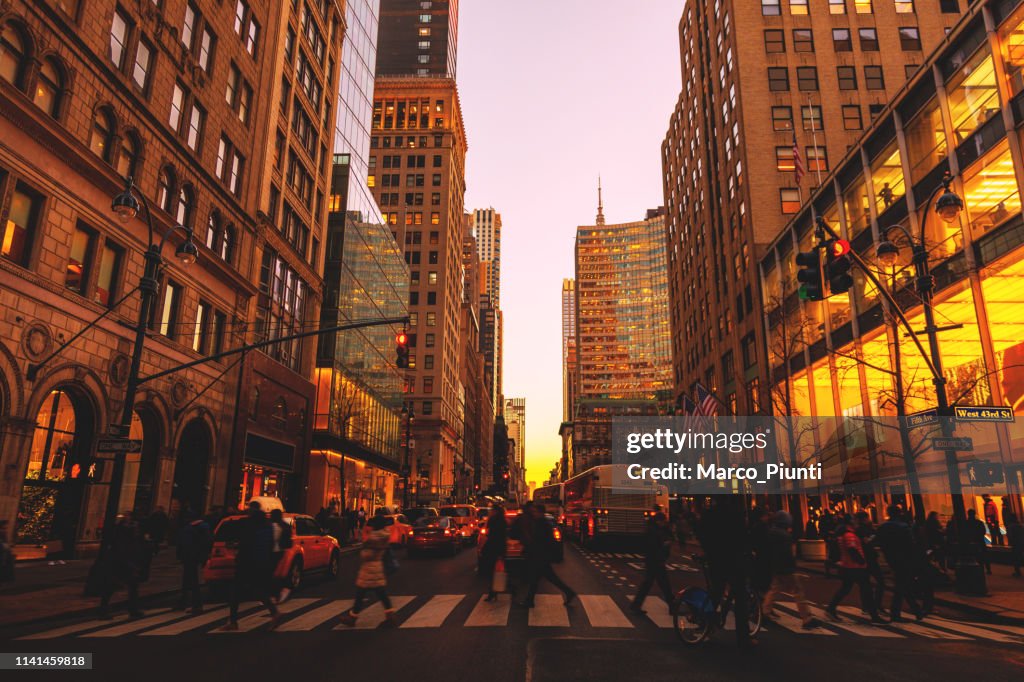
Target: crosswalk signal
<point x="402" y="350"/>
<point x="838" y="265"/>
<point x="809" y="275"/>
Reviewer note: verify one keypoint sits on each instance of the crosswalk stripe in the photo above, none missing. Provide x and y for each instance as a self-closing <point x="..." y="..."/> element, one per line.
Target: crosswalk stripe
<point x="317" y="616"/>
<point x="919" y="629"/>
<point x="549" y="611"/>
<point x="635" y="566"/>
<point x="603" y="613"/>
<point x="855" y="628"/>
<point x="965" y="629"/>
<point x="262" y="616"/>
<point x="434" y="612"/>
<point x="372" y="616"/>
<point x="181" y="626"/>
<point x="490" y="614"/>
<point x="657" y="611"/>
<point x="136" y="625"/>
<point x="1008" y="629"/>
<point x="794" y="624"/>
<point x="72" y="629"/>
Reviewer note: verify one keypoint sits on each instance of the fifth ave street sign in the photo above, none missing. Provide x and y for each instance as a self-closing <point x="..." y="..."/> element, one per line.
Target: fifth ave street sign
<point x="118" y="445"/>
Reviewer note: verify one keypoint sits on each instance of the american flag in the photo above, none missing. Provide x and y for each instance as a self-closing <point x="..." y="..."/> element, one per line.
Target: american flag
<point x="798" y="163"/>
<point x="685" y="407"/>
<point x="707" y="404"/>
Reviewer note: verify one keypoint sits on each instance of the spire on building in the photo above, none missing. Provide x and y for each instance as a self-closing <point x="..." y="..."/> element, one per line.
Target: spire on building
<point x="600" y="203"/>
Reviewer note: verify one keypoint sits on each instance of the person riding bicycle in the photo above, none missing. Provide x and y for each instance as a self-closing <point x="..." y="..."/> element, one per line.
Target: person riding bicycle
<point x="723" y="536"/>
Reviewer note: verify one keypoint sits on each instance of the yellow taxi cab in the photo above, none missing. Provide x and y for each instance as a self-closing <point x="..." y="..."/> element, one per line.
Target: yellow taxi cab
<point x="464" y="518"/>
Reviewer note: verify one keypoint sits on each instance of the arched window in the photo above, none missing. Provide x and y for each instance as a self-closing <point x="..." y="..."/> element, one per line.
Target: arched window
<point x="186" y="206"/>
<point x="101" y="137"/>
<point x="165" y="189"/>
<point x="227" y="244"/>
<point x="13" y="55"/>
<point x="213" y="231"/>
<point x="127" y="155"/>
<point x="49" y="88"/>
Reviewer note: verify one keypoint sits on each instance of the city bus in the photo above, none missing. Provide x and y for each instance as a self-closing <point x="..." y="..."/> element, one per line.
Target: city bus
<point x="553" y="499"/>
<point x="603" y="503"/>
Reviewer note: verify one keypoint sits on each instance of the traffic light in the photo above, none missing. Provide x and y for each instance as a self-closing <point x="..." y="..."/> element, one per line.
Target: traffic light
<point x="402" y="350"/>
<point x="837" y="266"/>
<point x="809" y="275"/>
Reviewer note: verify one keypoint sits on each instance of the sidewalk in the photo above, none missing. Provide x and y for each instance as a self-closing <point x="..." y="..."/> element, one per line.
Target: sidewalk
<point x="42" y="589"/>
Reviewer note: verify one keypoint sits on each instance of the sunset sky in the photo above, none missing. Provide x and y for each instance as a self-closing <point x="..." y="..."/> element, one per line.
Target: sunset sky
<point x="553" y="93"/>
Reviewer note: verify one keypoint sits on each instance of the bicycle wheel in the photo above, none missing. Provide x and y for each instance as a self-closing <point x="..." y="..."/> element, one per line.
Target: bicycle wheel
<point x="690" y="619"/>
<point x="754" y="617"/>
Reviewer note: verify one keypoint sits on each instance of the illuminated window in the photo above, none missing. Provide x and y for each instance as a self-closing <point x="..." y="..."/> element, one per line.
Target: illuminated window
<point x="790" y="199"/>
<point x="837" y="6"/>
<point x="106" y="278"/>
<point x="431" y="278"/>
<point x="1011" y="39"/>
<point x="862" y="6"/>
<point x="887" y="178"/>
<point x="12" y="55"/>
<point x="784" y="160"/>
<point x="904" y="6"/>
<point x="926" y="140"/>
<point x="21" y="224"/>
<point x="798" y="7"/>
<point x="101" y="137"/>
<point x="817" y="159"/>
<point x="49" y="87"/>
<point x="972" y="95"/>
<point x="990" y="190"/>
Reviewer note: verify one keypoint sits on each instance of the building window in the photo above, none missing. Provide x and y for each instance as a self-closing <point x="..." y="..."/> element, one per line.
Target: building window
<point x="868" y="39"/>
<point x="798" y="8"/>
<point x="201" y="332"/>
<point x="873" y="78"/>
<point x="841" y="40"/>
<point x="188" y="26"/>
<point x="803" y="40"/>
<point x="106" y="278"/>
<point x="207" y="45"/>
<point x="428" y="384"/>
<point x="220" y="323"/>
<point x="862" y="6"/>
<point x="227" y="244"/>
<point x="771" y="8"/>
<point x="119" y="30"/>
<point x="177" y="106"/>
<point x="847" y="77"/>
<point x="101" y="137"/>
<point x="196" y="122"/>
<point x="143" y="61"/>
<point x="782" y="118"/>
<point x="904" y="6"/>
<point x="807" y="78"/>
<point x="910" y="38"/>
<point x="774" y="41"/>
<point x="874" y="110"/>
<point x="790" y="199"/>
<point x="810" y="115"/>
<point x="817" y="159"/>
<point x="127" y="155"/>
<point x="165" y="190"/>
<point x="949" y="6"/>
<point x="169" y="311"/>
<point x="837" y="6"/>
<point x="851" y="117"/>
<point x="910" y="70"/>
<point x="778" y="79"/>
<point x="186" y="207"/>
<point x="428" y="362"/>
<point x="428" y="340"/>
<point x="13" y="59"/>
<point x="784" y="160"/>
<point x="49" y="87"/>
<point x="21" y="225"/>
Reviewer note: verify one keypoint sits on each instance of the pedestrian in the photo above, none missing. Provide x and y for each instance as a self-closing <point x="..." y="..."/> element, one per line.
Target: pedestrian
<point x="253" y="568"/>
<point x="371" y="576"/>
<point x="811" y="529"/>
<point x="6" y="555"/>
<point x="852" y="571"/>
<point x="992" y="520"/>
<point x="866" y="533"/>
<point x="361" y="518"/>
<point x="282" y="531"/>
<point x="896" y="540"/>
<point x="935" y="540"/>
<point x="125" y="556"/>
<point x="1015" y="537"/>
<point x="322" y="516"/>
<point x="155" y="528"/>
<point x="828" y="534"/>
<point x="783" y="567"/>
<point x="722" y="535"/>
<point x="193" y="550"/>
<point x="974" y="536"/>
<point x="494" y="548"/>
<point x="538" y="550"/>
<point x="657" y="548"/>
<point x="761" y="566"/>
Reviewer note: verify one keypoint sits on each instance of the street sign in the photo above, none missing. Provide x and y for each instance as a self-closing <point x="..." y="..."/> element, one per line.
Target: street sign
<point x="118" y="445"/>
<point x="983" y="413"/>
<point x="923" y="418"/>
<point x="117" y="431"/>
<point x="962" y="444"/>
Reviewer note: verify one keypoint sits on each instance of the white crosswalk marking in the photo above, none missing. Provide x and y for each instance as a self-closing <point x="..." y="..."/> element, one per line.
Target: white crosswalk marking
<point x="1008" y="629"/>
<point x="794" y="624"/>
<point x="965" y="629"/>
<point x="490" y="614"/>
<point x="262" y="616"/>
<point x="318" y="616"/>
<point x="136" y="625"/>
<point x="855" y="628"/>
<point x="923" y="631"/>
<point x="72" y="629"/>
<point x="635" y="566"/>
<point x="181" y="626"/>
<point x="434" y="612"/>
<point x="657" y="611"/>
<point x="372" y="616"/>
<point x="549" y="611"/>
<point x="603" y="613"/>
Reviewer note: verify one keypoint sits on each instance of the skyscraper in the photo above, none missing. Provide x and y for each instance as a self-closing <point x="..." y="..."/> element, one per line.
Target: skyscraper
<point x="568" y="348"/>
<point x="754" y="77"/>
<point x="622" y="329"/>
<point x="515" y="421"/>
<point x="418" y="38"/>
<point x="486" y="227"/>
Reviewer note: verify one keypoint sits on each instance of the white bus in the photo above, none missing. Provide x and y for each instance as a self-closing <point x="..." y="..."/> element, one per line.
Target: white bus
<point x="603" y="502"/>
<point x="553" y="499"/>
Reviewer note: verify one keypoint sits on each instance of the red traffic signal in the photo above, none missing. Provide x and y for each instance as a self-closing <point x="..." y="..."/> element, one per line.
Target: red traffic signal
<point x="839" y="248"/>
<point x="402" y="339"/>
<point x="402" y="350"/>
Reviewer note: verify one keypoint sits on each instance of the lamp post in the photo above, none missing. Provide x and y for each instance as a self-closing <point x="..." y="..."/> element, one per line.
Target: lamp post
<point x="407" y="412"/>
<point x="127" y="205"/>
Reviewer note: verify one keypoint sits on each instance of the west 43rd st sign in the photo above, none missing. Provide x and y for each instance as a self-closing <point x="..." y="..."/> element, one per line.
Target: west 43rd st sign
<point x="983" y="413"/>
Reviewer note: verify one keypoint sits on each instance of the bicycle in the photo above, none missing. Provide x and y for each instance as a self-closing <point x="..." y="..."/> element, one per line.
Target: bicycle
<point x="695" y="616"/>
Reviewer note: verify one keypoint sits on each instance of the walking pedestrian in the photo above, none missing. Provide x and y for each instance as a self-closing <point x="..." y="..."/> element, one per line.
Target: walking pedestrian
<point x="828" y="534"/>
<point x="761" y="565"/>
<point x="852" y="571"/>
<point x="494" y="549"/>
<point x="866" y="533"/>
<point x="722" y="535"/>
<point x="282" y="531"/>
<point x="657" y="547"/>
<point x="992" y="520"/>
<point x="538" y="550"/>
<point x="896" y="540"/>
<point x="253" y="568"/>
<point x="371" y="576"/>
<point x="974" y="536"/>
<point x="1015" y="536"/>
<point x="935" y="540"/>
<point x="783" y="566"/>
<point x="193" y="550"/>
<point x="126" y="556"/>
<point x="154" y="528"/>
<point x="361" y="518"/>
<point x="6" y="555"/>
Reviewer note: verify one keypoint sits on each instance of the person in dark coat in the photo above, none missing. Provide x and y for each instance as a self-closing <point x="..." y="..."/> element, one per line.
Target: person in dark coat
<point x="869" y="543"/>
<point x="254" y="569"/>
<point x="935" y="539"/>
<point x="193" y="549"/>
<point x="538" y="550"/>
<point x="494" y="547"/>
<point x="127" y="558"/>
<point x="155" y="528"/>
<point x="896" y="541"/>
<point x="974" y="537"/>
<point x="1015" y="537"/>
<point x="722" y="535"/>
<point x="783" y="567"/>
<point x="657" y="545"/>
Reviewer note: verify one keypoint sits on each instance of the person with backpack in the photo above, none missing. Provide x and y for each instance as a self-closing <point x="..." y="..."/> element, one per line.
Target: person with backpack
<point x="282" y="531"/>
<point x="372" y="576"/>
<point x="253" y="568"/>
<point x="853" y="570"/>
<point x="193" y="549"/>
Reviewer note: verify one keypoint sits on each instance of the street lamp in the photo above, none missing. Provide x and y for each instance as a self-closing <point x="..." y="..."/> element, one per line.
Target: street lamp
<point x="126" y="205"/>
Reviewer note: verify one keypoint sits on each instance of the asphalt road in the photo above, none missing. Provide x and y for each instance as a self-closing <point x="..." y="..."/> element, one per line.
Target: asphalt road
<point x="447" y="633"/>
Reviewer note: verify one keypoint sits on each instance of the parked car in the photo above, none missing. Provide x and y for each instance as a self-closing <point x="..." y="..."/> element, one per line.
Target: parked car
<point x="464" y="516"/>
<point x="312" y="550"/>
<point x="434" y="532"/>
<point x="417" y="513"/>
<point x="400" y="528"/>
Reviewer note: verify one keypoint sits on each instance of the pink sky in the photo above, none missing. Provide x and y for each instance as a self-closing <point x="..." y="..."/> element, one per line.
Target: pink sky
<point x="553" y="93"/>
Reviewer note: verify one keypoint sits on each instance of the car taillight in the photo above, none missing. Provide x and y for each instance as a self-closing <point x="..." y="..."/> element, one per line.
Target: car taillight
<point x="558" y="535"/>
<point x="447" y="531"/>
<point x="483" y="531"/>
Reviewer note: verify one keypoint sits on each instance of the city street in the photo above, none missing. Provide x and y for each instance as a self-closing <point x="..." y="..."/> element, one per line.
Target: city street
<point x="447" y="633"/>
